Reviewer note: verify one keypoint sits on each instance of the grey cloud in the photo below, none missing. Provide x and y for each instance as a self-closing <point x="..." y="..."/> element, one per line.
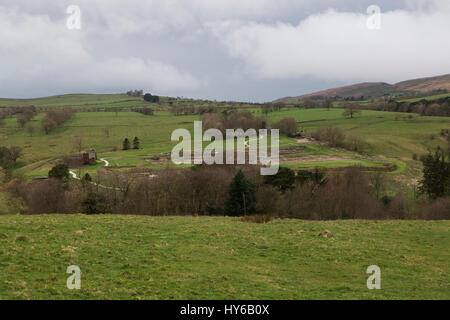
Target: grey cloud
<point x="224" y="49"/>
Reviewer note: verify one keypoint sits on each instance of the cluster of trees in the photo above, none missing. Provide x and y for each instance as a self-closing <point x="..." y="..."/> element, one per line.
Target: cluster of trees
<point x="9" y="156"/>
<point x="351" y="110"/>
<point x="267" y="108"/>
<point x="232" y="119"/>
<point x="23" y="114"/>
<point x="184" y="110"/>
<point x="55" y="118"/>
<point x="244" y="119"/>
<point x="287" y="126"/>
<point x="151" y="98"/>
<point x="126" y="145"/>
<point x="26" y="114"/>
<point x="227" y="190"/>
<point x="135" y="93"/>
<point x="335" y="138"/>
<point x="440" y="107"/>
<point x="60" y="172"/>
<point x="313" y="102"/>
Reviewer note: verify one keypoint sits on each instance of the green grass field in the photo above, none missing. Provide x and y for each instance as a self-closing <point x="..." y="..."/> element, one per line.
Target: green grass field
<point x="385" y="135"/>
<point x="76" y="100"/>
<point x="391" y="138"/>
<point x="429" y="98"/>
<point x="138" y="257"/>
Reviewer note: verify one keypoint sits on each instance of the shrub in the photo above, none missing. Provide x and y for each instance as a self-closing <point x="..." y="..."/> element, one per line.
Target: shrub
<point x="386" y="200"/>
<point x="439" y="209"/>
<point x="354" y="143"/>
<point x="398" y="208"/>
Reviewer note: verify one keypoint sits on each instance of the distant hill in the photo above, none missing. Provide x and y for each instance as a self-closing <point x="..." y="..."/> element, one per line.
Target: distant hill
<point x="369" y="90"/>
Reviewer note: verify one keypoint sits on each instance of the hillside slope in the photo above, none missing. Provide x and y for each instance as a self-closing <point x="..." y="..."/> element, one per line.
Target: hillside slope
<point x="377" y="89"/>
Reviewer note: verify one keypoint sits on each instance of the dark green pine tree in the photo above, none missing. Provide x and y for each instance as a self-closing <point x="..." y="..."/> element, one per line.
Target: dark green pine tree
<point x="436" y="175"/>
<point x="283" y="180"/>
<point x="241" y="196"/>
<point x="136" y="143"/>
<point x="126" y="144"/>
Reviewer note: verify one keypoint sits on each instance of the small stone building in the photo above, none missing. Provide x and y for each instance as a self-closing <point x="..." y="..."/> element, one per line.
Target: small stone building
<point x="87" y="157"/>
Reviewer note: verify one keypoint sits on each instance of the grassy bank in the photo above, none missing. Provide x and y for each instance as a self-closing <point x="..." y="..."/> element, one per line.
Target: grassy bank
<point x="137" y="257"/>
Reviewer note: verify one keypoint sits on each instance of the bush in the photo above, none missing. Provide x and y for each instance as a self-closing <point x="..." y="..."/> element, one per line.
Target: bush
<point x="354" y="143"/>
<point x="439" y="209"/>
<point x="398" y="208"/>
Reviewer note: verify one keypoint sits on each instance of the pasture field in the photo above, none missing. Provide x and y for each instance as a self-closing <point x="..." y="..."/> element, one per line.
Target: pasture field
<point x="75" y="100"/>
<point x="390" y="137"/>
<point x="142" y="257"/>
<point x="429" y="98"/>
<point x="387" y="133"/>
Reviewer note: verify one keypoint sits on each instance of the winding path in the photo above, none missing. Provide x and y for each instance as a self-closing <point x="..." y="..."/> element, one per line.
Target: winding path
<point x="74" y="175"/>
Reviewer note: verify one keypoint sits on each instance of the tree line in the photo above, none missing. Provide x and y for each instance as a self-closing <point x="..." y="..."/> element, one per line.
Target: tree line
<point x="231" y="191"/>
<point x="55" y="118"/>
<point x="9" y="156"/>
<point x="437" y="108"/>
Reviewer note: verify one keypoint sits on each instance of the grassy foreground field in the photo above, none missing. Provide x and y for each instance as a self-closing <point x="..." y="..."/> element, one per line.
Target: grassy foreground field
<point x="140" y="257"/>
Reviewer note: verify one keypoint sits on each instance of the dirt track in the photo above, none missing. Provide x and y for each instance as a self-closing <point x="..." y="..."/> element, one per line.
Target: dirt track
<point x="313" y="158"/>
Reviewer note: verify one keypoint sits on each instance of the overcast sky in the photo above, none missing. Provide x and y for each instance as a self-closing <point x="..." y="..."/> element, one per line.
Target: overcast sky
<point x="246" y="50"/>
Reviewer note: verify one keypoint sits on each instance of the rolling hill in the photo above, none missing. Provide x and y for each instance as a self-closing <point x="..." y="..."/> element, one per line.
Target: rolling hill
<point x="378" y="89"/>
